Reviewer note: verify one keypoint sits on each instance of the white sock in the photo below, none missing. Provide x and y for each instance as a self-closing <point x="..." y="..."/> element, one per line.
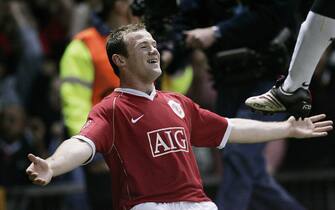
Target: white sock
<point x="314" y="37"/>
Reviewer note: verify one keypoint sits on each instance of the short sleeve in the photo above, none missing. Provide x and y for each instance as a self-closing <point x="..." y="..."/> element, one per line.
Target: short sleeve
<point x="207" y="128"/>
<point x="98" y="129"/>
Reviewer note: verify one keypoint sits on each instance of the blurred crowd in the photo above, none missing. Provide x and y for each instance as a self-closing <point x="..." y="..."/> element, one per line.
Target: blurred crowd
<point x="35" y="33"/>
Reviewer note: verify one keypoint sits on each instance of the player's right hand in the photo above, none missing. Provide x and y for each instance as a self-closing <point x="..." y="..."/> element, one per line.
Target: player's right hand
<point x="39" y="171"/>
<point x="310" y="127"/>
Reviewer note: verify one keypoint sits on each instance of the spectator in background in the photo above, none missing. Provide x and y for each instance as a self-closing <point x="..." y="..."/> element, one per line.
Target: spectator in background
<point x="21" y="64"/>
<point x="15" y="143"/>
<point x="87" y="78"/>
<point x="215" y="27"/>
<point x="45" y="109"/>
<point x="23" y="83"/>
<point x="30" y="55"/>
<point x="53" y="19"/>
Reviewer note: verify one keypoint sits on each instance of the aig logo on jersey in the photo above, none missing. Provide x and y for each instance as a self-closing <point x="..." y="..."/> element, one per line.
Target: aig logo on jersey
<point x="177" y="109"/>
<point x="167" y="140"/>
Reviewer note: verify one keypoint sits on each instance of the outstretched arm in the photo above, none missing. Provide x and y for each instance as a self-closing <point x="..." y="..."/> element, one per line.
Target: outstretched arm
<point x="70" y="154"/>
<point x="252" y="131"/>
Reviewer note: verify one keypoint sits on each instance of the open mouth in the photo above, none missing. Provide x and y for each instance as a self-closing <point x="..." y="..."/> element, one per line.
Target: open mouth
<point x="153" y="61"/>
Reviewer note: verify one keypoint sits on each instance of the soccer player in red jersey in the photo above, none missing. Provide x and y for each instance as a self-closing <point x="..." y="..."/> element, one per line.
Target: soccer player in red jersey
<point x="146" y="135"/>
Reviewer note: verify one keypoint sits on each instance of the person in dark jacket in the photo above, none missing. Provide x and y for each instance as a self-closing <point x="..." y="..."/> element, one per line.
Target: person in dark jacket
<point x="219" y="25"/>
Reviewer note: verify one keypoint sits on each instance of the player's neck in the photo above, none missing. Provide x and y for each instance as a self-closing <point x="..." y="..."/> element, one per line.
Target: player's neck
<point x="146" y="88"/>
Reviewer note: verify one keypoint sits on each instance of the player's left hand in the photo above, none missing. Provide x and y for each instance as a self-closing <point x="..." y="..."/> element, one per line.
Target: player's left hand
<point x="309" y="127"/>
<point x="39" y="171"/>
<point x="200" y="38"/>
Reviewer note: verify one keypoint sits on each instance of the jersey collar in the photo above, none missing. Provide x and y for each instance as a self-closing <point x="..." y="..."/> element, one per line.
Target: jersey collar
<point x="137" y="92"/>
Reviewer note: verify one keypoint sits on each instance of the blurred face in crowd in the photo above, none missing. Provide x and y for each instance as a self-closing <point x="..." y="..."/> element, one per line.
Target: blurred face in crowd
<point x="12" y="122"/>
<point x="143" y="59"/>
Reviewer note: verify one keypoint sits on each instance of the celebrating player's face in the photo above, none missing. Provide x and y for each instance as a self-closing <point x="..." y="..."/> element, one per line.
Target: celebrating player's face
<point x="143" y="57"/>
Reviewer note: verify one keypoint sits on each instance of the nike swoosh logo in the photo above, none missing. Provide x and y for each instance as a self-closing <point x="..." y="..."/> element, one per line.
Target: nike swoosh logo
<point x="136" y="119"/>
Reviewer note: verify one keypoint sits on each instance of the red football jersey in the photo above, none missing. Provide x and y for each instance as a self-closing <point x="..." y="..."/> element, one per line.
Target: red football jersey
<point x="146" y="142"/>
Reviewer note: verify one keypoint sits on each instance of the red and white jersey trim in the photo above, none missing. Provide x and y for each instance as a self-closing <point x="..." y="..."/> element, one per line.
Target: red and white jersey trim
<point x="226" y="135"/>
<point x="89" y="142"/>
<point x="137" y="92"/>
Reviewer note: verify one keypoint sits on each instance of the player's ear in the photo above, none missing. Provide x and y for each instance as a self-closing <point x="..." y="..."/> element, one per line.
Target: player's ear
<point x="119" y="60"/>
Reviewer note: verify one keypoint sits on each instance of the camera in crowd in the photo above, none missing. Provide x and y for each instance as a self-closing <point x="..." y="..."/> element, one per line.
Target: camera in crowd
<point x="157" y="15"/>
